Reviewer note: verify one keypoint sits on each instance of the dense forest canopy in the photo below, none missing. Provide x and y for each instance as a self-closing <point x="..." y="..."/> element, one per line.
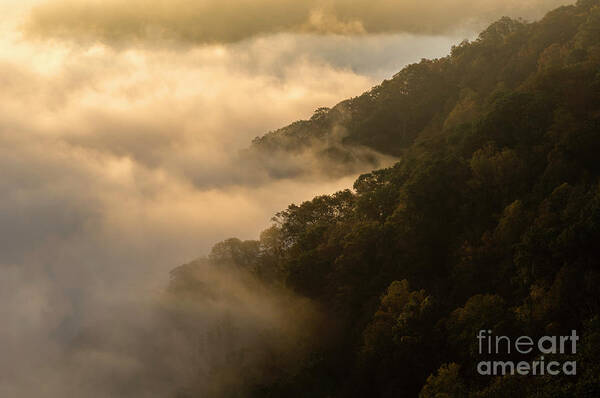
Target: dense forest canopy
<point x="490" y="220"/>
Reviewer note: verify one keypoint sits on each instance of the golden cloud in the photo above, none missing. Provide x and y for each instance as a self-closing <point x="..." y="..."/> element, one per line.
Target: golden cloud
<point x="201" y="21"/>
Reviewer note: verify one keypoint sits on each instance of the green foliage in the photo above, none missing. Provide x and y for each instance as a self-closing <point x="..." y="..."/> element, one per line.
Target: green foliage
<point x="446" y="383"/>
<point x="395" y="340"/>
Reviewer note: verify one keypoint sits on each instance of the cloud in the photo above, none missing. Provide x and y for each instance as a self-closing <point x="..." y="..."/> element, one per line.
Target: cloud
<point x="119" y="150"/>
<point x="117" y="166"/>
<point x="210" y="21"/>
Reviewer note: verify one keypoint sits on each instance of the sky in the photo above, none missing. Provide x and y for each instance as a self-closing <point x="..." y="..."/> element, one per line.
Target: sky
<point x="120" y="122"/>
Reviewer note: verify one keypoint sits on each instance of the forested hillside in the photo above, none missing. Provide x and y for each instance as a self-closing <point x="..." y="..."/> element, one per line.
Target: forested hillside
<point x="490" y="220"/>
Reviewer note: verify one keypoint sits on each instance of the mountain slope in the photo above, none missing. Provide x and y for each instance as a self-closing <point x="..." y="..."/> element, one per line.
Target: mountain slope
<point x="490" y="221"/>
<point x="431" y="96"/>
